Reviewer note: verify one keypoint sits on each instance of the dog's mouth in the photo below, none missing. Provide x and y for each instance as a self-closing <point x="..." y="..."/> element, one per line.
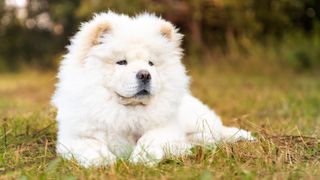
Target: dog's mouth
<point x="142" y="93"/>
<point x="140" y="98"/>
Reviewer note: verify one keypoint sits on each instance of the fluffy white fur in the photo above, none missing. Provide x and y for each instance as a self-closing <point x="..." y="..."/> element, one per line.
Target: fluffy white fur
<point x="99" y="116"/>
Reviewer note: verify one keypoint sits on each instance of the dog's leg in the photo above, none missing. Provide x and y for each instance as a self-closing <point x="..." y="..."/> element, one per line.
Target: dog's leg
<point x="154" y="145"/>
<point x="213" y="135"/>
<point x="87" y="150"/>
<point x="203" y="126"/>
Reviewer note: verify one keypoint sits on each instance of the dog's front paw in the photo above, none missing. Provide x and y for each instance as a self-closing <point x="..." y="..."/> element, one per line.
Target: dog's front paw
<point x="88" y="156"/>
<point x="96" y="159"/>
<point x="147" y="155"/>
<point x="158" y="144"/>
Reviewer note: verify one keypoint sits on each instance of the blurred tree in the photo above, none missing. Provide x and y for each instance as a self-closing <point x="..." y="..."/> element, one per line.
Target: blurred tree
<point x="37" y="33"/>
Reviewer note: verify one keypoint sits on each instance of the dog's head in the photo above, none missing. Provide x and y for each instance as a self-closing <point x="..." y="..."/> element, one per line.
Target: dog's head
<point x="136" y="58"/>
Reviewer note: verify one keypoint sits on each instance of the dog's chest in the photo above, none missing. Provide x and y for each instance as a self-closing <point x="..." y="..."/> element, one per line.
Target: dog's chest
<point x="134" y="125"/>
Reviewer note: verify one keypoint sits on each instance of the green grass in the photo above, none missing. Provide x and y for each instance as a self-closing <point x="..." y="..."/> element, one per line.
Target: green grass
<point x="281" y="108"/>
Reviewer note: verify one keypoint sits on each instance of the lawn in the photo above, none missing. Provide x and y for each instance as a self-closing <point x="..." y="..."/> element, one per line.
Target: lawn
<point x="281" y="108"/>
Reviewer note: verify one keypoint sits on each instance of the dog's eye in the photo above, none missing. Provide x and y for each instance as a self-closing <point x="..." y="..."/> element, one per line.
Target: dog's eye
<point x="122" y="62"/>
<point x="150" y="63"/>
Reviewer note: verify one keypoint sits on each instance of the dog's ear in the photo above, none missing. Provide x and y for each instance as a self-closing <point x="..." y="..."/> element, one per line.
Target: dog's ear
<point x="98" y="33"/>
<point x="166" y="30"/>
<point x="170" y="32"/>
<point x="90" y="35"/>
<point x="91" y="32"/>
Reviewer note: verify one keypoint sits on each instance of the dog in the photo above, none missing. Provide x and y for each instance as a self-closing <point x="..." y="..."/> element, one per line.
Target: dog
<point x="122" y="92"/>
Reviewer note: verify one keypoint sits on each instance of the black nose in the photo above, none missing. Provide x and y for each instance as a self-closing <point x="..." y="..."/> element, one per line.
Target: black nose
<point x="143" y="76"/>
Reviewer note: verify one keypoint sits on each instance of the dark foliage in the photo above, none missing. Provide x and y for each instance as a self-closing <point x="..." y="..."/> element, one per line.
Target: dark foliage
<point x="208" y="25"/>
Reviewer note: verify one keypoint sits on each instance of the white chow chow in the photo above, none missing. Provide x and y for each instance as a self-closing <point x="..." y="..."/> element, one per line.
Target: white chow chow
<point x="124" y="93"/>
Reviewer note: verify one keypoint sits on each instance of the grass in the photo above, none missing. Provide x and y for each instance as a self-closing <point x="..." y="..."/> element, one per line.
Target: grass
<point x="281" y="108"/>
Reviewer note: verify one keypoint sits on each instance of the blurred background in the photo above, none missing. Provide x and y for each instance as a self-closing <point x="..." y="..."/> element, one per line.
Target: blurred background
<point x="259" y="34"/>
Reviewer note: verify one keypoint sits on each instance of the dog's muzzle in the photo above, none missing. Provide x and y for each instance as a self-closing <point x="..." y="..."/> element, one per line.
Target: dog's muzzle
<point x="144" y="77"/>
